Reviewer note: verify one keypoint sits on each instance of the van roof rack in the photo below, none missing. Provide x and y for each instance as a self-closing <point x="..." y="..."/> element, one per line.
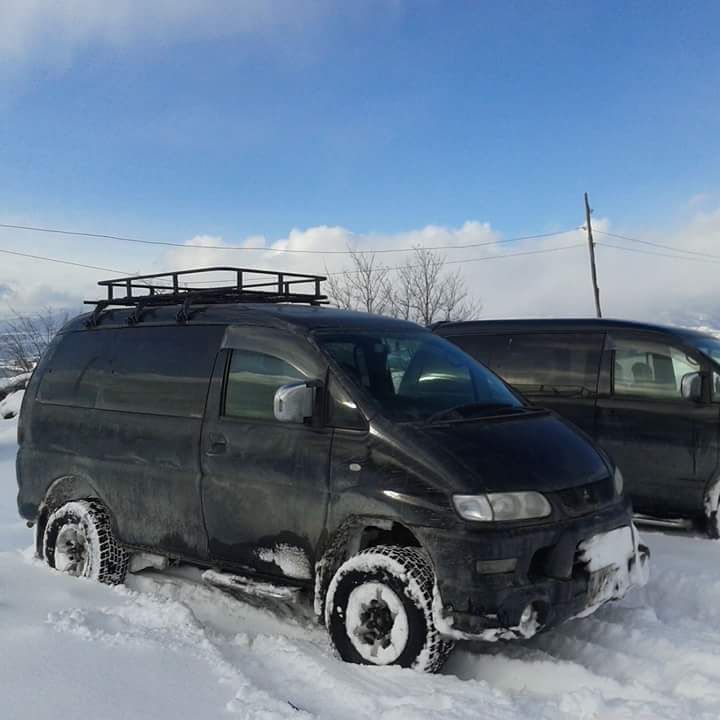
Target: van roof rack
<point x="221" y="284"/>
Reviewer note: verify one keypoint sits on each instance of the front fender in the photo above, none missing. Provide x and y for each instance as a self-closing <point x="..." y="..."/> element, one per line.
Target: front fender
<point x="346" y="542"/>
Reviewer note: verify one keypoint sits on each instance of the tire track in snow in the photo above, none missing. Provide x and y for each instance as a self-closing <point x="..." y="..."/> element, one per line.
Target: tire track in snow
<point x="657" y="660"/>
<point x="146" y="621"/>
<point x="290" y="672"/>
<point x="301" y="663"/>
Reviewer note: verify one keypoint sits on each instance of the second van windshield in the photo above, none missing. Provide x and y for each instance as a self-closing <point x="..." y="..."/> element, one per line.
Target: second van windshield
<point x="414" y="376"/>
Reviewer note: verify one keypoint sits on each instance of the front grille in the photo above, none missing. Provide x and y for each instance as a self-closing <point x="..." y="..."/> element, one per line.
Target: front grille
<point x="586" y="498"/>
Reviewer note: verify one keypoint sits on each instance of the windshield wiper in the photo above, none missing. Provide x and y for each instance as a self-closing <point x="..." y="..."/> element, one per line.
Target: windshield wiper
<point x="469" y="407"/>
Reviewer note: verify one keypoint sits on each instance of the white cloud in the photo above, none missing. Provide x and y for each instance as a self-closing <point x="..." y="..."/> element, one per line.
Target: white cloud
<point x="632" y="285"/>
<point x="54" y="30"/>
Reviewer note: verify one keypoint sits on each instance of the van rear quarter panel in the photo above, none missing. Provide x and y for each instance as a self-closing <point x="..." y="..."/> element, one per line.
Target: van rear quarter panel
<point x="144" y="468"/>
<point x="144" y="465"/>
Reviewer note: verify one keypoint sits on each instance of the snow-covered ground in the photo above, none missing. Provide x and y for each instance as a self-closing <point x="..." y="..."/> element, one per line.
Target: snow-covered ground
<point x="166" y="646"/>
<point x="10" y="406"/>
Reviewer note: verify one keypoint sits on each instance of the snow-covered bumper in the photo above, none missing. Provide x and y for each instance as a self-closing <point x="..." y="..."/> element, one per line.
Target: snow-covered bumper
<point x="510" y="583"/>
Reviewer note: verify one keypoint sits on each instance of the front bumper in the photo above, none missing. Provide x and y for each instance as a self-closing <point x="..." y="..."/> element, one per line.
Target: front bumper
<point x="562" y="571"/>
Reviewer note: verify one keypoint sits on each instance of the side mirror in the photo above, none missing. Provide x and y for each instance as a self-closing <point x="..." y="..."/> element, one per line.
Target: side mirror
<point x="691" y="386"/>
<point x="294" y="402"/>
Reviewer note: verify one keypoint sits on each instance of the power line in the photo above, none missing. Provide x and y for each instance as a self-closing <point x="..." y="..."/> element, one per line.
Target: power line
<point x="655" y="244"/>
<point x="263" y="248"/>
<point x="468" y="260"/>
<point x="344" y="272"/>
<point x="657" y="254"/>
<point x="63" y="262"/>
<point x="384" y="268"/>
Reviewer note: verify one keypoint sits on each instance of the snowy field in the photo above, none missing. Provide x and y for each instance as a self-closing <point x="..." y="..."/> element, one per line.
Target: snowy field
<point x="168" y="647"/>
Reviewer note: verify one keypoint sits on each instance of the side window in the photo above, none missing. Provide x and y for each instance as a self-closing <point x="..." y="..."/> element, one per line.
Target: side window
<point x="161" y="370"/>
<point x="149" y="370"/>
<point x="75" y="372"/>
<point x="487" y="349"/>
<point x="550" y="364"/>
<point x="343" y="412"/>
<point x="252" y="380"/>
<point x="650" y="369"/>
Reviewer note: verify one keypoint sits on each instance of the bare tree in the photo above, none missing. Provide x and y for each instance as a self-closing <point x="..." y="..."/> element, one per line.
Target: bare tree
<point x="421" y="289"/>
<point x="426" y="293"/>
<point x="365" y="286"/>
<point x="457" y="303"/>
<point x="26" y="337"/>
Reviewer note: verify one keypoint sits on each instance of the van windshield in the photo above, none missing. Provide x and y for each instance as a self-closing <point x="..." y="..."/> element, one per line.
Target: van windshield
<point x="416" y="376"/>
<point x="709" y="346"/>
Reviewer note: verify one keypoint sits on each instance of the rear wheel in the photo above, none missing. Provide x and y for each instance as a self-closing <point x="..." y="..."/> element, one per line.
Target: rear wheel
<point x="379" y="610"/>
<point x="79" y="541"/>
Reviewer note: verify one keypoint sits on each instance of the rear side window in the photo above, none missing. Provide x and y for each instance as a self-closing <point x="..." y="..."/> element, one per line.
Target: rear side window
<point x="76" y="371"/>
<point x="150" y="370"/>
<point x="652" y="370"/>
<point x="544" y="364"/>
<point x="252" y="381"/>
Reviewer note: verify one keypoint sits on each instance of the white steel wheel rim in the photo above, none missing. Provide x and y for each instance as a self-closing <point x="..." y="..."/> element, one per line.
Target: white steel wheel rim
<point x="72" y="551"/>
<point x="376" y="623"/>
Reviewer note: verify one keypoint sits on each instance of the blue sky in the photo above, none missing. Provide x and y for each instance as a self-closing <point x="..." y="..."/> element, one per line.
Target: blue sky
<point x="243" y="118"/>
<point x="387" y="118"/>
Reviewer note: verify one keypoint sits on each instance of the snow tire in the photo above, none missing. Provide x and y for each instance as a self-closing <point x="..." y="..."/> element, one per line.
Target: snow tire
<point x="105" y="559"/>
<point x="408" y="576"/>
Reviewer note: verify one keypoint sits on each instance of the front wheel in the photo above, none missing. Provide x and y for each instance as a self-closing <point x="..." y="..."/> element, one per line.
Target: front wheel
<point x="378" y="610"/>
<point x="79" y="541"/>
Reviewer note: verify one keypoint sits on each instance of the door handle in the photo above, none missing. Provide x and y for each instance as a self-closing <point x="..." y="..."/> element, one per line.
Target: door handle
<point x="217" y="444"/>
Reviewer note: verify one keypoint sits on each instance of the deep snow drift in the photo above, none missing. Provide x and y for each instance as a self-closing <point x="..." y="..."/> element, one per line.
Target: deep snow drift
<point x="167" y="646"/>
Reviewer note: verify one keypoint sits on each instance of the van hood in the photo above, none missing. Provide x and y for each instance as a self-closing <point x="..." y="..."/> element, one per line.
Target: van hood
<point x="537" y="451"/>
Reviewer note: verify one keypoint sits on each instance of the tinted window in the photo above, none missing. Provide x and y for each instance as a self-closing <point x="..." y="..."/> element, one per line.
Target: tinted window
<point x="154" y="370"/>
<point x="544" y="364"/>
<point x="710" y="347"/>
<point x="484" y="348"/>
<point x="76" y="370"/>
<point x="252" y="381"/>
<point x="161" y="370"/>
<point x="707" y="345"/>
<point x="414" y="375"/>
<point x="649" y="369"/>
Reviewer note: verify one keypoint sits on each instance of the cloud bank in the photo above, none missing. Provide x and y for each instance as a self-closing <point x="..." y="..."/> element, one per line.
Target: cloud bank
<point x="633" y="284"/>
<point x="510" y="283"/>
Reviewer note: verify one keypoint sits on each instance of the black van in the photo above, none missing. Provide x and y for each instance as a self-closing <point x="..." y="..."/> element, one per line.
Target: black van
<point x="649" y="395"/>
<point x="297" y="450"/>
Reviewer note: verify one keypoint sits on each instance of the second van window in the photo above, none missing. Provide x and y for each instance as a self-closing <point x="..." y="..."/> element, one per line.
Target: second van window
<point x="650" y="369"/>
<point x="540" y="364"/>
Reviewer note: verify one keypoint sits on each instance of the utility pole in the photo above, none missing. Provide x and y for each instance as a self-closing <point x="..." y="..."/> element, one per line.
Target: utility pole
<point x="591" y="246"/>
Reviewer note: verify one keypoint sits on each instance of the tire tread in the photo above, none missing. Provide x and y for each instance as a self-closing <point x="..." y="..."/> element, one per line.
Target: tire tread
<point x="113" y="559"/>
<point x="415" y="563"/>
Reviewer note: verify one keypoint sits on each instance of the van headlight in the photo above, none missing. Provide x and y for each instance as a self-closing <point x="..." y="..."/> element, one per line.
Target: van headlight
<point x="619" y="482"/>
<point x="500" y="507"/>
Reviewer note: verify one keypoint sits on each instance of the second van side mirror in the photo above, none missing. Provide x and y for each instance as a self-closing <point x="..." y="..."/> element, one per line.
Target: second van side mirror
<point x="691" y="386"/>
<point x="294" y="402"/>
